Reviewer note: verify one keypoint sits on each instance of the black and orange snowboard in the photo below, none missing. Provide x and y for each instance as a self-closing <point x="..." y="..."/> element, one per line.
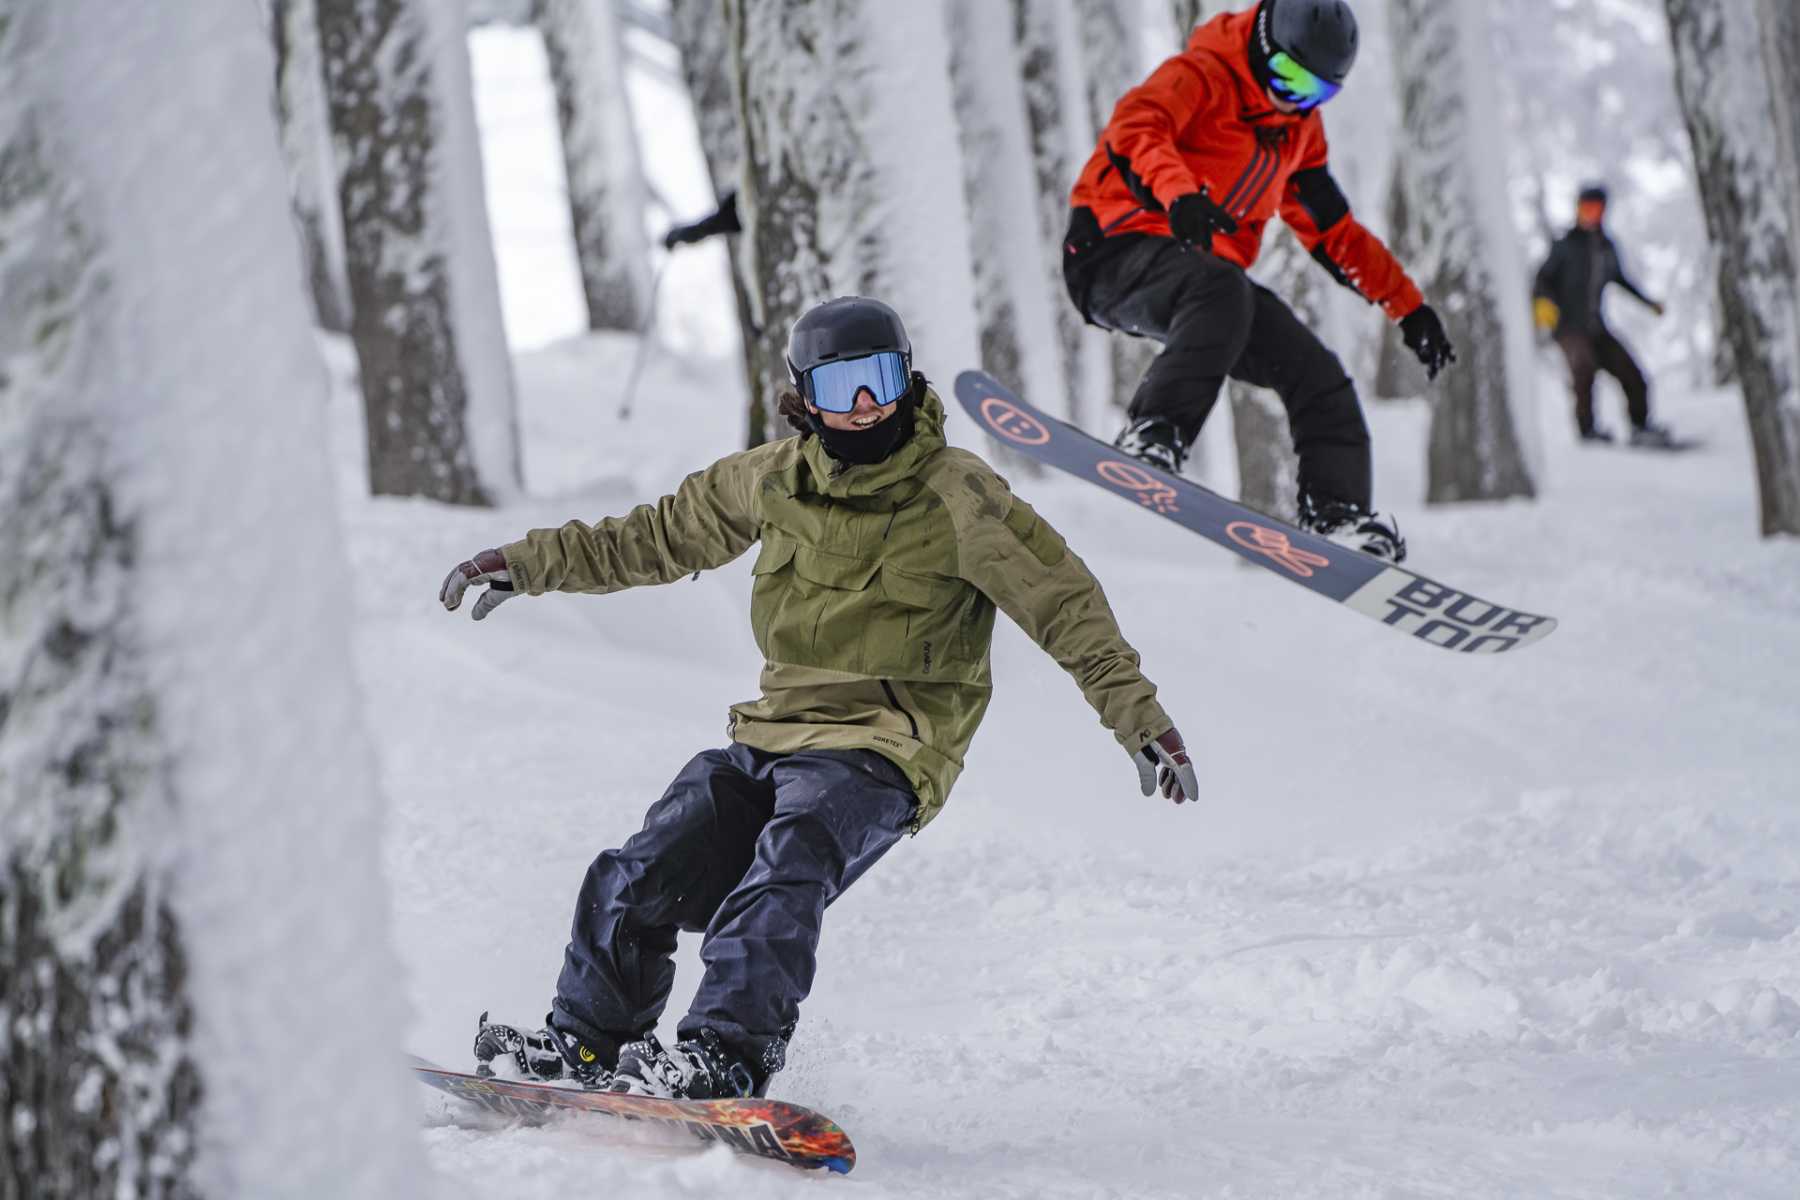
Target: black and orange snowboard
<point x="766" y="1128"/>
<point x="1432" y="612"/>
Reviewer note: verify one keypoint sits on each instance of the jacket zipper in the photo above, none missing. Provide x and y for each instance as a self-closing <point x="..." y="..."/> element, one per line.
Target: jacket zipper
<point x="901" y="708"/>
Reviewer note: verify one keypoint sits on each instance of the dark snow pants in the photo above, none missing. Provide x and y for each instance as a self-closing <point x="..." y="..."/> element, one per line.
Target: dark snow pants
<point x="748" y="847"/>
<point x="1588" y="355"/>
<point x="1214" y="322"/>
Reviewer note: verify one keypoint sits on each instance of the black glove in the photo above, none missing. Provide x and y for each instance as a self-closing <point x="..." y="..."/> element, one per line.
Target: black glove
<point x="1164" y="762"/>
<point x="723" y="221"/>
<point x="487" y="567"/>
<point x="1194" y="218"/>
<point x="1424" y="335"/>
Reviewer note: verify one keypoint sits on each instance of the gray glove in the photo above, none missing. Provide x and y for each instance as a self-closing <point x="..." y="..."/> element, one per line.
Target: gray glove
<point x="1164" y="763"/>
<point x="488" y="567"/>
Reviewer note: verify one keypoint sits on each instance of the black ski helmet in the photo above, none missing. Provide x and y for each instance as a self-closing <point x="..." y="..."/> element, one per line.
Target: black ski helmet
<point x="1319" y="34"/>
<point x="847" y="327"/>
<point x="1592" y="192"/>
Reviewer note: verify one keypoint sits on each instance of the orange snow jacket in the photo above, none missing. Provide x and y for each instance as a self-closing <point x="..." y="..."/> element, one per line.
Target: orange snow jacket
<point x="1202" y="121"/>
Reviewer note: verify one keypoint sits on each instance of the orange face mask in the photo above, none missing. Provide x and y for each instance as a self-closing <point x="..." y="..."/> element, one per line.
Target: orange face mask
<point x="1590" y="212"/>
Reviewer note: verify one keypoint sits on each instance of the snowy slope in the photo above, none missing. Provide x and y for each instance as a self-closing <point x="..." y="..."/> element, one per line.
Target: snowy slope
<point x="1527" y="926"/>
<point x="1522" y="926"/>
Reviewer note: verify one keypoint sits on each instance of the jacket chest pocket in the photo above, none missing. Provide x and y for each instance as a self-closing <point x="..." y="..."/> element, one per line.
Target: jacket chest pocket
<point x="812" y="608"/>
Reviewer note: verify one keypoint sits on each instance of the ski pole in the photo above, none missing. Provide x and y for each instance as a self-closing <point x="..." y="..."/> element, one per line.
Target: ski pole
<point x="645" y="337"/>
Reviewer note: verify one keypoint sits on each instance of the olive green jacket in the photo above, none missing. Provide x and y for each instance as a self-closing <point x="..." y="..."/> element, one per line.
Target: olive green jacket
<point x="874" y="595"/>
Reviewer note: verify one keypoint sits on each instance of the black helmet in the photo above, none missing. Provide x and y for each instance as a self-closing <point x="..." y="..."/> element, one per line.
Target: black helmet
<point x="1318" y="34"/>
<point x="1592" y="192"/>
<point x="847" y="327"/>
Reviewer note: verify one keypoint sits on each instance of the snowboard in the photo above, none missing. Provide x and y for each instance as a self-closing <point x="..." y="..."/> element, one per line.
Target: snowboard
<point x="765" y="1128"/>
<point x="1431" y="612"/>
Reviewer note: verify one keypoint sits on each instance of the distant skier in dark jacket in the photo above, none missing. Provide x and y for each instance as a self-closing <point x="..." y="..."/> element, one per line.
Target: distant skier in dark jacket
<point x="1169" y="214"/>
<point x="1568" y="295"/>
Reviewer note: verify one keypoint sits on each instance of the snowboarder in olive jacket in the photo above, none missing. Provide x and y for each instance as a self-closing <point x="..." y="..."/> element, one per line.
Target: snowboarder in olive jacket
<point x="883" y="555"/>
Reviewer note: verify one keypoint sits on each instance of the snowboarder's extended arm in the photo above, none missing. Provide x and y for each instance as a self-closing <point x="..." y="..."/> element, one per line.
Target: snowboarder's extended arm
<point x="1619" y="277"/>
<point x="708" y="521"/>
<point x="1318" y="212"/>
<point x="1023" y="565"/>
<point x="1315" y="208"/>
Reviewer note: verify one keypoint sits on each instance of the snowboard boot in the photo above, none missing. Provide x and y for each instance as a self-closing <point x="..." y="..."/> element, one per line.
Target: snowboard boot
<point x="1596" y="434"/>
<point x="1153" y="441"/>
<point x="543" y="1056"/>
<point x="1652" y="437"/>
<point x="698" y="1068"/>
<point x="1375" y="534"/>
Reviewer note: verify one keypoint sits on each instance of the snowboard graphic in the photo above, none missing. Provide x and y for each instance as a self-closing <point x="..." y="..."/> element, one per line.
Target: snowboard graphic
<point x="1400" y="599"/>
<point x="766" y="1128"/>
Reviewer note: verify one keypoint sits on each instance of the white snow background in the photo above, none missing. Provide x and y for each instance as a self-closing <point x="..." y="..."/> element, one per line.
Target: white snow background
<point x="1439" y="927"/>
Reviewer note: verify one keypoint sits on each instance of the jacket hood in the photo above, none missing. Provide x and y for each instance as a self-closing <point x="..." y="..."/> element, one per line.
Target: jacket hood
<point x="1227" y="38"/>
<point x="833" y="478"/>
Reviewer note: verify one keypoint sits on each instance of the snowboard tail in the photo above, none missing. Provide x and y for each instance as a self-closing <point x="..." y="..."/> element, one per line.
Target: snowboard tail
<point x="773" y="1129"/>
<point x="1432" y="612"/>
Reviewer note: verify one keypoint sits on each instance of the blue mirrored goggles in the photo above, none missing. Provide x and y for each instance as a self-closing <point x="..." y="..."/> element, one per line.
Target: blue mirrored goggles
<point x="1297" y="85"/>
<point x="834" y="386"/>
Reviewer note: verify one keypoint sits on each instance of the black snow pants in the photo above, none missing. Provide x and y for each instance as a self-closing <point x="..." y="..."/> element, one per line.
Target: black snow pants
<point x="1213" y="322"/>
<point x="1588" y="355"/>
<point x="748" y="847"/>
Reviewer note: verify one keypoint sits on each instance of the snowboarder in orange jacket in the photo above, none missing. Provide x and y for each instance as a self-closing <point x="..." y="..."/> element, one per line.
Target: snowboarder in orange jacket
<point x="1170" y="211"/>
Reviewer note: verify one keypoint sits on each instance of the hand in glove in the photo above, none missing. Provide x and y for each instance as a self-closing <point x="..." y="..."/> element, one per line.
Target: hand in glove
<point x="1425" y="337"/>
<point x="1164" y="762"/>
<point x="1545" y="313"/>
<point x="1194" y="218"/>
<point x="487" y="567"/>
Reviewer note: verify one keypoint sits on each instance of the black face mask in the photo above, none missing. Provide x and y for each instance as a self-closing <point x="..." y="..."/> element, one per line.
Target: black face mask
<point x="863" y="447"/>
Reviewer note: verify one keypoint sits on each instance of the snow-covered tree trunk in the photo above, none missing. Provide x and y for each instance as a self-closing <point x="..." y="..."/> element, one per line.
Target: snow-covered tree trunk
<point x="1112" y="62"/>
<point x="585" y="46"/>
<point x="1057" y="109"/>
<point x="436" y="376"/>
<point x="1189" y="13"/>
<point x="190" y="891"/>
<point x="306" y="139"/>
<point x="1469" y="263"/>
<point x="1737" y="66"/>
<point x="1018" y="314"/>
<point x="852" y="178"/>
<point x="1398" y="374"/>
<point x="700" y="31"/>
<point x="100" y="1093"/>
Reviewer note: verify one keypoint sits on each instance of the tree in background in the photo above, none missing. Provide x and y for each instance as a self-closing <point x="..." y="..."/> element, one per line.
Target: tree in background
<point x="1017" y="313"/>
<point x="1737" y="67"/>
<point x="1112" y="64"/>
<point x="92" y="965"/>
<point x="852" y="182"/>
<point x="1398" y="374"/>
<point x="1058" y="110"/>
<point x="699" y="29"/>
<point x="1468" y="254"/>
<point x="585" y="46"/>
<point x="190" y="890"/>
<point x="436" y="376"/>
<point x="306" y="140"/>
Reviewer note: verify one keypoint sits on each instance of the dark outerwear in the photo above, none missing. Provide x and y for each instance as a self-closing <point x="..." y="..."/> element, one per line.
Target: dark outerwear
<point x="1588" y="355"/>
<point x="1581" y="264"/>
<point x="1213" y="322"/>
<point x="748" y="847"/>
